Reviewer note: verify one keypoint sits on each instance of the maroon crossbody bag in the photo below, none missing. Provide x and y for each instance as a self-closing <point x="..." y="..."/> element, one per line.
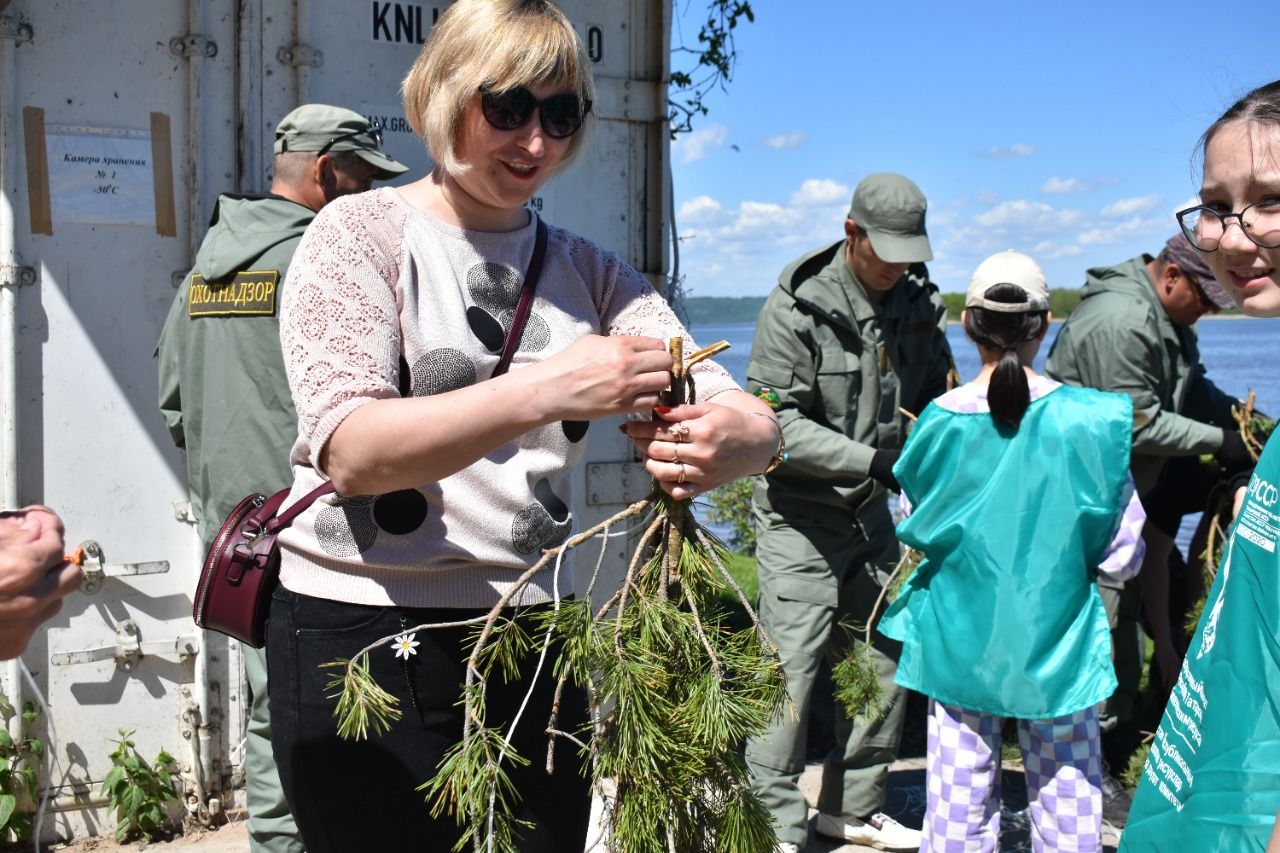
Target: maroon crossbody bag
<point x="241" y="569"/>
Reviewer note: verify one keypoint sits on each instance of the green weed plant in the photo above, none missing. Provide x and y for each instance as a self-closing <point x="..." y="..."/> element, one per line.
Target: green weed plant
<point x="20" y="761"/>
<point x="138" y="791"/>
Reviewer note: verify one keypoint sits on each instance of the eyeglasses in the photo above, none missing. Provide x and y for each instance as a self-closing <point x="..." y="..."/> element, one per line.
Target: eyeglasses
<point x="373" y="131"/>
<point x="560" y="115"/>
<point x="1260" y="222"/>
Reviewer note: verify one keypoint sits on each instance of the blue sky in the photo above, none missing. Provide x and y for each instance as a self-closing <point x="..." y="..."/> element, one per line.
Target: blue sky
<point x="1064" y="130"/>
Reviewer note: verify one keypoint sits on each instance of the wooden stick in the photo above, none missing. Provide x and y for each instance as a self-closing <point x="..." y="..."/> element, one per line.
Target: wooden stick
<point x="705" y="353"/>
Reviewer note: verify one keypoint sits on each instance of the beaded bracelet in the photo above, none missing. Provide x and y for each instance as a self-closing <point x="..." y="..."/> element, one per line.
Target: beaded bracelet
<point x="780" y="455"/>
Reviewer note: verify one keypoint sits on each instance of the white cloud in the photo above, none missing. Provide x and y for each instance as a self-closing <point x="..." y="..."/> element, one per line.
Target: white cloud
<point x="1032" y="216"/>
<point x="1019" y="224"/>
<point x="697" y="144"/>
<point x="736" y="250"/>
<point x="1130" y="206"/>
<point x="1009" y="152"/>
<point x="785" y="140"/>
<point x="699" y="210"/>
<point x="820" y="191"/>
<point x="1058" y="186"/>
<point x="1121" y="232"/>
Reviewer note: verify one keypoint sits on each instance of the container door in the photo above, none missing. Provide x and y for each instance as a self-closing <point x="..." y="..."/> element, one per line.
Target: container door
<point x="122" y="128"/>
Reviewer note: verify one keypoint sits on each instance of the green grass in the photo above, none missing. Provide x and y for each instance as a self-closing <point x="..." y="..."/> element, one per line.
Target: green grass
<point x="743" y="570"/>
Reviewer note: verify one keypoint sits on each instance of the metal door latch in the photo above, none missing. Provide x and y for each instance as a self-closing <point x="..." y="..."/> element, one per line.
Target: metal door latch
<point x="89" y="557"/>
<point x="129" y="649"/>
<point x="193" y="45"/>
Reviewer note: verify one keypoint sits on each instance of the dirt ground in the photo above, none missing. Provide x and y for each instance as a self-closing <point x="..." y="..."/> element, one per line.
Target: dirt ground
<point x="232" y="837"/>
<point x="905" y="802"/>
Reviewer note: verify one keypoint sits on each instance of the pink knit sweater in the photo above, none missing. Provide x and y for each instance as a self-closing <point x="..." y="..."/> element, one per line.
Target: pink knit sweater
<point x="375" y="279"/>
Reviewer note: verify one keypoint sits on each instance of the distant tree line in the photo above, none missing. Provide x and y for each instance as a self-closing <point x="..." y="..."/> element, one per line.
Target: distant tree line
<point x="1061" y="303"/>
<point x="708" y="310"/>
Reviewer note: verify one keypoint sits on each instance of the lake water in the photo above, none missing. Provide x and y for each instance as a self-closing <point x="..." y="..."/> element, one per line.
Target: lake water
<point x="1237" y="354"/>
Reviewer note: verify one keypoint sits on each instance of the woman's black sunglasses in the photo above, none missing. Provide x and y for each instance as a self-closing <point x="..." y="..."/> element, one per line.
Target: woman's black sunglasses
<point x="560" y="115"/>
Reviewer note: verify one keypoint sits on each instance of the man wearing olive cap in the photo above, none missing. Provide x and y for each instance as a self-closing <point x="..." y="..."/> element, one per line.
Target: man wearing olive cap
<point x="853" y="334"/>
<point x="223" y="390"/>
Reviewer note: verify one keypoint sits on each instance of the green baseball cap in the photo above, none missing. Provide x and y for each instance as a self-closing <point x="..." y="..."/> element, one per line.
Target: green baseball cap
<point x="890" y="208"/>
<point x="322" y="128"/>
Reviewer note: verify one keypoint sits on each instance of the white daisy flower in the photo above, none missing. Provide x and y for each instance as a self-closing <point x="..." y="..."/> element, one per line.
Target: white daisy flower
<point x="406" y="645"/>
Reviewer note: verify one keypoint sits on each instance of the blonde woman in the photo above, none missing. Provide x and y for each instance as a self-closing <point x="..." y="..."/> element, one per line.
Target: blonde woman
<point x="453" y="481"/>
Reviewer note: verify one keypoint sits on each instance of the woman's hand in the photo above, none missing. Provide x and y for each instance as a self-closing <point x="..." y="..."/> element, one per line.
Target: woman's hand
<point x="597" y="376"/>
<point x="694" y="448"/>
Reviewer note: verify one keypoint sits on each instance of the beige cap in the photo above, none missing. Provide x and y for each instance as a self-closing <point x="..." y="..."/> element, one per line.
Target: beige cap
<point x="1008" y="267"/>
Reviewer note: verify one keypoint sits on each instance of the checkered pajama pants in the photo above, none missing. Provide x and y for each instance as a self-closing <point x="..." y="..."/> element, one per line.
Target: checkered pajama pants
<point x="1063" y="764"/>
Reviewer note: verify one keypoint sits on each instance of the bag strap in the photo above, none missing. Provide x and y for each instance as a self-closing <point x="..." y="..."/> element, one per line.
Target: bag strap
<point x="285" y="518"/>
<point x="523" y="308"/>
<point x="525" y="305"/>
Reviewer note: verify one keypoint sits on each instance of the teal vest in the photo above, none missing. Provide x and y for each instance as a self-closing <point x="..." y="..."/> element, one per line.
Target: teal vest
<point x="1003" y="615"/>
<point x="1212" y="780"/>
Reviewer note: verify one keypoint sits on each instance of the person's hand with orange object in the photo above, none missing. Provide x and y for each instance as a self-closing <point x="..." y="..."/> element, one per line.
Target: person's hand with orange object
<point x="34" y="574"/>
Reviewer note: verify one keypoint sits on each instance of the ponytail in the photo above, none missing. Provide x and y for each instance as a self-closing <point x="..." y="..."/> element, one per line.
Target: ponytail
<point x="1008" y="395"/>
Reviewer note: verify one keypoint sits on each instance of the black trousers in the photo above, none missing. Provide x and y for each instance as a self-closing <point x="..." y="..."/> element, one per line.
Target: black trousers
<point x="353" y="796"/>
<point x="1183" y="489"/>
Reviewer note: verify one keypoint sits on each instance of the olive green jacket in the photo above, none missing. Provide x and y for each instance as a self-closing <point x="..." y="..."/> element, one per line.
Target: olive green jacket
<point x="841" y="368"/>
<point x="223" y="390"/>
<point x="1121" y="339"/>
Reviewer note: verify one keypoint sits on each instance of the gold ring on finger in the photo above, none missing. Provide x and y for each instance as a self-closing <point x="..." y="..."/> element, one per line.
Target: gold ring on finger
<point x="680" y="476"/>
<point x="681" y="432"/>
<point x="675" y="453"/>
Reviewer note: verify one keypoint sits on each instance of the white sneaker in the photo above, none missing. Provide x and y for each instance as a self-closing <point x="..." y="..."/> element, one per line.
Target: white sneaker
<point x="879" y="831"/>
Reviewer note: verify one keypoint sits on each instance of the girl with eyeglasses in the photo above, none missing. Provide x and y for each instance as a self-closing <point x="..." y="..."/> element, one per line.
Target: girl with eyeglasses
<point x="450" y="481"/>
<point x="1212" y="780"/>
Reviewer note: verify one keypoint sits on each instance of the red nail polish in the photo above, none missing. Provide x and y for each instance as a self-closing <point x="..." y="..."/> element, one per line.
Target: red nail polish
<point x="662" y="410"/>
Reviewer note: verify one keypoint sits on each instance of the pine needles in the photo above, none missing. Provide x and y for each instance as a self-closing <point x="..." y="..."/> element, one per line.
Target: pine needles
<point x="673" y="690"/>
<point x="856" y="679"/>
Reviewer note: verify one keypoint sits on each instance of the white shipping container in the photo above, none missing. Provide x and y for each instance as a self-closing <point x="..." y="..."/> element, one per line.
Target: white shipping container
<point x="120" y="123"/>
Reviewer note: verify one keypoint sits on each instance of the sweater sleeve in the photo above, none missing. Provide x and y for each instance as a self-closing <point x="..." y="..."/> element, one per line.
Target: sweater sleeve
<point x="628" y="305"/>
<point x="1124" y="554"/>
<point x="339" y="317"/>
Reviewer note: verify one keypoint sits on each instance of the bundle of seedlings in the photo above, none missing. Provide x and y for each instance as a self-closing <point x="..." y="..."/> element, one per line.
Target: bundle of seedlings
<point x="856" y="679"/>
<point x="673" y="691"/>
